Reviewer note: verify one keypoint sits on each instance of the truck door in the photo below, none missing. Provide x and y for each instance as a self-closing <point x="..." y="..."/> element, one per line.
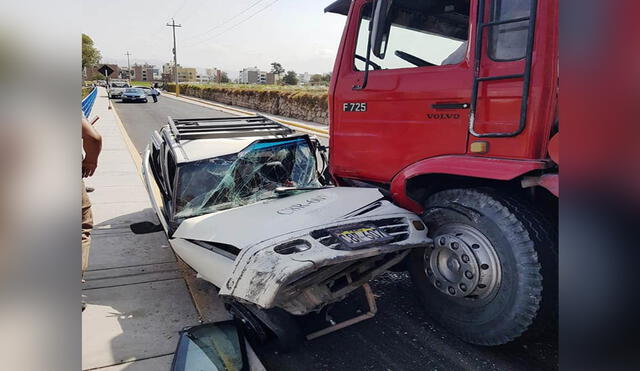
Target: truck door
<point x="502" y="92"/>
<point x="416" y="101"/>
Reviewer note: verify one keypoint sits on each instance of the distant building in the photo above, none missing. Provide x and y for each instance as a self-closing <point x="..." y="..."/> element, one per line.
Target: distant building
<point x="253" y="75"/>
<point x="304" y="78"/>
<point x="202" y="79"/>
<point x="185" y="74"/>
<point x="142" y="73"/>
<point x="272" y="78"/>
<point x="262" y="77"/>
<point x="249" y="75"/>
<point x="215" y="75"/>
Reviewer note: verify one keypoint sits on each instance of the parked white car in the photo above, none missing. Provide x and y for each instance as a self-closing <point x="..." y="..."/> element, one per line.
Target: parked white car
<point x="116" y="88"/>
<point x="245" y="203"/>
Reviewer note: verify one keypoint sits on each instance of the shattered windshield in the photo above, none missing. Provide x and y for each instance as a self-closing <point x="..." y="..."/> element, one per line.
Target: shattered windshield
<point x="249" y="176"/>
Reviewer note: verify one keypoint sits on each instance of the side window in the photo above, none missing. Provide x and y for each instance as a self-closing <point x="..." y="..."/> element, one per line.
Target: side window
<point x="420" y="36"/>
<point x="508" y="42"/>
<point x="171" y="171"/>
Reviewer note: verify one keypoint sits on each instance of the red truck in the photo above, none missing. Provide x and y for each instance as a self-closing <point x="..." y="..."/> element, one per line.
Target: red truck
<point x="451" y="107"/>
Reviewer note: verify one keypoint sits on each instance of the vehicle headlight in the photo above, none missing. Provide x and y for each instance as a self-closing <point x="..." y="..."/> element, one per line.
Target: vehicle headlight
<point x="292" y="247"/>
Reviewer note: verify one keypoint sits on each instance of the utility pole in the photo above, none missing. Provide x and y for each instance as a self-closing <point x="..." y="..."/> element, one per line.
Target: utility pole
<point x="175" y="56"/>
<point x="128" y="66"/>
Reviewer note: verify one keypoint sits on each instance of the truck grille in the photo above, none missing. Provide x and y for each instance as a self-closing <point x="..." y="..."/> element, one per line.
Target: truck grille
<point x="396" y="227"/>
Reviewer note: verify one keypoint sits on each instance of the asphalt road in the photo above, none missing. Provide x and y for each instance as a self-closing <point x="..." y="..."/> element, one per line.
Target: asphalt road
<point x="399" y="337"/>
<point x="141" y="119"/>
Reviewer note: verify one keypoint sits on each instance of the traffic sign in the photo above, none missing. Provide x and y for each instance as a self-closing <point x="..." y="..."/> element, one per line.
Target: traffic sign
<point x="105" y="70"/>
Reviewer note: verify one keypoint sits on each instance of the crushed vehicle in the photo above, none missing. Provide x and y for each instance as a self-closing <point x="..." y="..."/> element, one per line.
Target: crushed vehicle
<point x="247" y="203"/>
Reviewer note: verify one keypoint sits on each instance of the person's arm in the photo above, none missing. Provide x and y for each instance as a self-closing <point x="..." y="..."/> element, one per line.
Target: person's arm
<point x="92" y="144"/>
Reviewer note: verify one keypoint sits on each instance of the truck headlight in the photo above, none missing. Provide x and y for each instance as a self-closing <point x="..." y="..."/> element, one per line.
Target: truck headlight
<point x="292" y="247"/>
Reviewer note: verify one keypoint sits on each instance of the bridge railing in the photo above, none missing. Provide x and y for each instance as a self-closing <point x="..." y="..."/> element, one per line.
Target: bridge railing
<point x="87" y="102"/>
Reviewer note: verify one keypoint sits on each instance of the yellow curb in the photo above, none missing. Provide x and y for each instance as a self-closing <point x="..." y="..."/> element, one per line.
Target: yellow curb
<point x="137" y="159"/>
<point x="135" y="156"/>
<point x="294" y="124"/>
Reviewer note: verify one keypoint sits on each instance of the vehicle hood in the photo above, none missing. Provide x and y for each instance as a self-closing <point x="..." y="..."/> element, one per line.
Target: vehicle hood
<point x="247" y="225"/>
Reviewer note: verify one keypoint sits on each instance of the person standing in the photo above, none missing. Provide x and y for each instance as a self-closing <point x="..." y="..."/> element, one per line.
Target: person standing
<point x="92" y="145"/>
<point x="154" y="94"/>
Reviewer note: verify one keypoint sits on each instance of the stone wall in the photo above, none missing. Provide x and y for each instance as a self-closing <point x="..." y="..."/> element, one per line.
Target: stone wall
<point x="303" y="105"/>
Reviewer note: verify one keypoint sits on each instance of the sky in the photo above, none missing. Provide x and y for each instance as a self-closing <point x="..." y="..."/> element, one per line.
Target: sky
<point x="226" y="34"/>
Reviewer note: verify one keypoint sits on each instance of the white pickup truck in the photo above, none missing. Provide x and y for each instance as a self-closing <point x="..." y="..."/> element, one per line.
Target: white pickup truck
<point x="116" y="88"/>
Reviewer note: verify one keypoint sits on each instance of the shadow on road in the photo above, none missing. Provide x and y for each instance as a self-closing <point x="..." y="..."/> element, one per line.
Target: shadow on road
<point x="402" y="337"/>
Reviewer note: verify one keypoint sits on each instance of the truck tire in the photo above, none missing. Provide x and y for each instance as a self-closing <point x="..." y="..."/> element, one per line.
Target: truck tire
<point x="481" y="279"/>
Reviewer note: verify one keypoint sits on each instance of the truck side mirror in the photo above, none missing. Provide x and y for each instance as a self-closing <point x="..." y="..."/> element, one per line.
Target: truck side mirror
<point x="381" y="26"/>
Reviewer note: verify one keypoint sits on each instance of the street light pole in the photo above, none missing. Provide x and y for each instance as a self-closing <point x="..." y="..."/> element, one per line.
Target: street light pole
<point x="129" y="67"/>
<point x="175" y="55"/>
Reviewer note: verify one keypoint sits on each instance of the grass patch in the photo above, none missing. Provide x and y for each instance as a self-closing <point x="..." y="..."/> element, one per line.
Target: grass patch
<point x="284" y="89"/>
<point x="141" y="83"/>
<point x="303" y="102"/>
<point x="86" y="91"/>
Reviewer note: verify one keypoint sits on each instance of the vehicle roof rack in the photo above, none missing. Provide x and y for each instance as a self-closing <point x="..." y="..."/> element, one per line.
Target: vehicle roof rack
<point x="226" y="127"/>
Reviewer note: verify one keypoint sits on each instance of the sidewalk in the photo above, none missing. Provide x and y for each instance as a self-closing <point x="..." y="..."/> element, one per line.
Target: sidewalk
<point x="137" y="291"/>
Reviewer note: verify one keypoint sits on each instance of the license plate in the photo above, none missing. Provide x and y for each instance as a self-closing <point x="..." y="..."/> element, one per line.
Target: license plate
<point x="358" y="236"/>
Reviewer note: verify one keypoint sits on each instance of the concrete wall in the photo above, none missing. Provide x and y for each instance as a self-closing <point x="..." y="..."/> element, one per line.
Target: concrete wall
<point x="308" y="106"/>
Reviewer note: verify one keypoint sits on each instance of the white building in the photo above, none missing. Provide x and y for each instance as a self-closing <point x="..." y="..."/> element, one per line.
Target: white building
<point x="249" y="75"/>
<point x="304" y="78"/>
<point x="262" y="77"/>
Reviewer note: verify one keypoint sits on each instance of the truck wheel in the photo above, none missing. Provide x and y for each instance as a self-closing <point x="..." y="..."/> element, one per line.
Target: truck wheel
<point x="481" y="279"/>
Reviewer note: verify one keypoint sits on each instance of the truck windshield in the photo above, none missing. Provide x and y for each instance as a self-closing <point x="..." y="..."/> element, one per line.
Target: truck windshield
<point x="249" y="176"/>
<point x="435" y="32"/>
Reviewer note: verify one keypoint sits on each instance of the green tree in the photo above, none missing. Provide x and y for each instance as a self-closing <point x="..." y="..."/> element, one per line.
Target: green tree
<point x="316" y="79"/>
<point x="224" y="78"/>
<point x="90" y="55"/>
<point x="326" y="78"/>
<point x="290" y="78"/>
<point x="276" y="68"/>
<point x="99" y="76"/>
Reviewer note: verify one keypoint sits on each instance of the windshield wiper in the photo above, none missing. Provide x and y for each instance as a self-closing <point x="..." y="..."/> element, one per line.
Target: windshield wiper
<point x="281" y="190"/>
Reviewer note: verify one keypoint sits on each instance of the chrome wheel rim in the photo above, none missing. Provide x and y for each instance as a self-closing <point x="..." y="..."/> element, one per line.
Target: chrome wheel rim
<point x="463" y="264"/>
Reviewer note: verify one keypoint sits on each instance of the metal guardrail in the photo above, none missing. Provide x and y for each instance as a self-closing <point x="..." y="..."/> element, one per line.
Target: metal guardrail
<point x="87" y="102"/>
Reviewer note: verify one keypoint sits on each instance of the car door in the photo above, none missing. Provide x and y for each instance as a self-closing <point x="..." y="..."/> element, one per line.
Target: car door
<point x="155" y="175"/>
<point x="407" y="111"/>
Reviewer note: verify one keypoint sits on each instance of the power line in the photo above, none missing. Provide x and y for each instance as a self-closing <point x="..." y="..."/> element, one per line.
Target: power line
<point x="241" y="22"/>
<point x="190" y="14"/>
<point x="227" y="21"/>
<point x="180" y="8"/>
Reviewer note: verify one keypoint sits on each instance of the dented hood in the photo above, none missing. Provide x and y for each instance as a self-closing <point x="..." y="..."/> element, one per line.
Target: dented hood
<point x="247" y="225"/>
